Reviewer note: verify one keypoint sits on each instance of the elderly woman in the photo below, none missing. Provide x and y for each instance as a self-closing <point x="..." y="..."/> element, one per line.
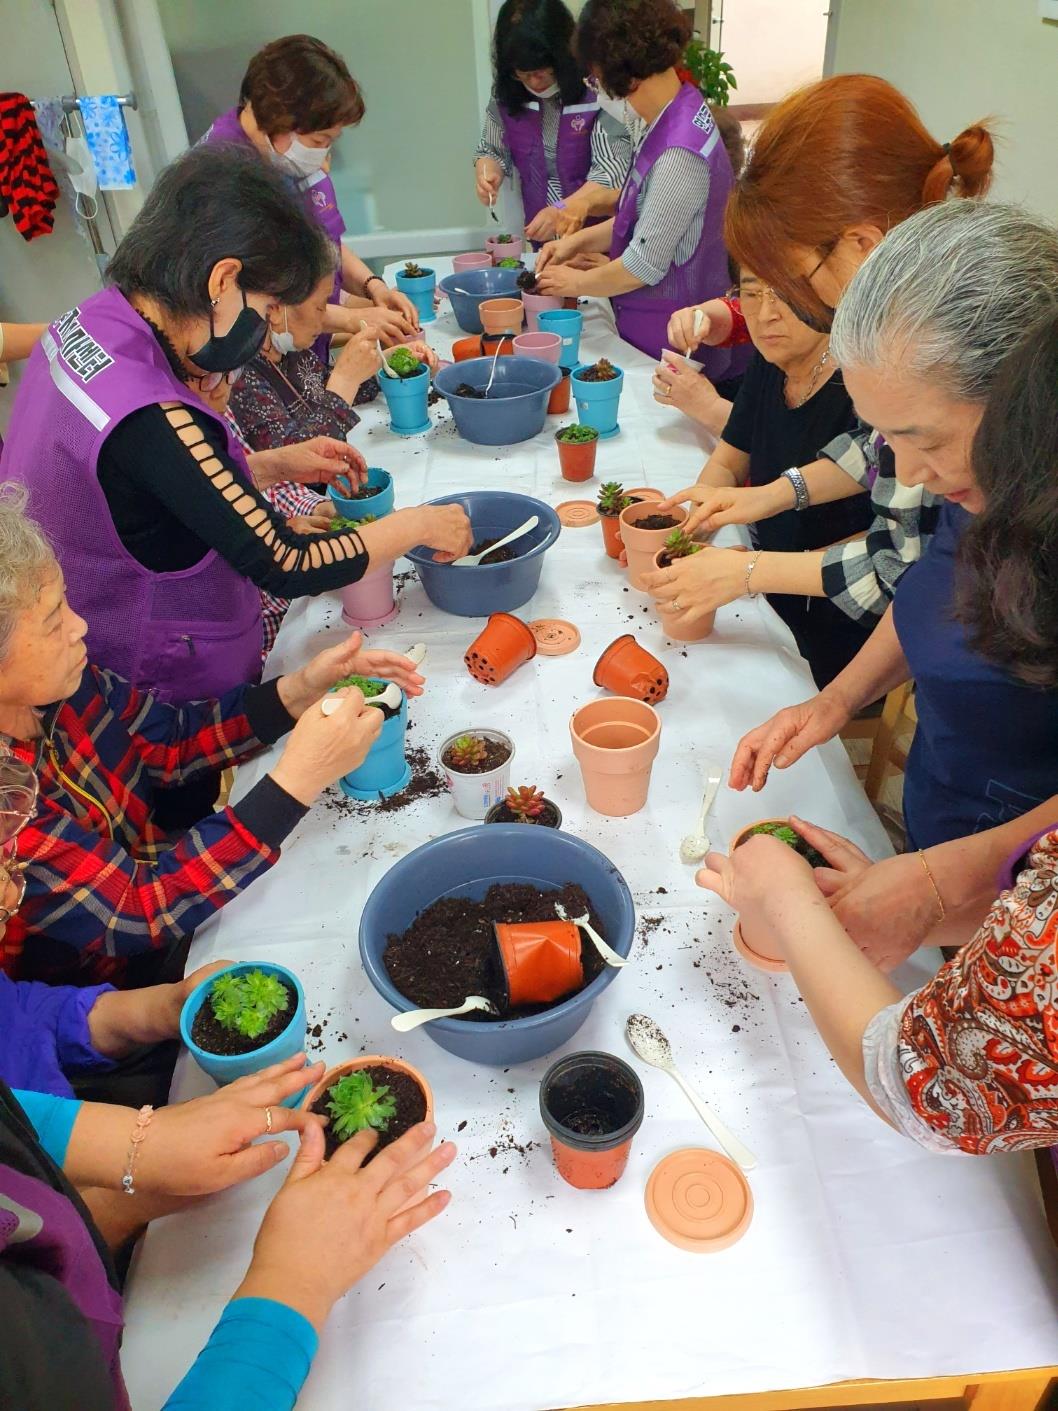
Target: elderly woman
<point x="921" y="335"/>
<point x="137" y="481"/>
<point x="105" y="888"/>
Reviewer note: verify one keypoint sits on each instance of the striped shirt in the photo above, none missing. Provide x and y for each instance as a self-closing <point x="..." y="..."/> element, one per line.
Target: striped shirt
<point x="861" y="577"/>
<point x="611" y="147"/>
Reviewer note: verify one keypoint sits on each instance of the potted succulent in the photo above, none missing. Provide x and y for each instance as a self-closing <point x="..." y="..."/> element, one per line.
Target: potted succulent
<point x="597" y="389"/>
<point x="503" y="246"/>
<point x="419" y="285"/>
<point x="503" y="645"/>
<point x="612" y="500"/>
<point x="510" y="263"/>
<point x="577" y="445"/>
<point x="678" y="546"/>
<point x="627" y="669"/>
<point x="476" y="765"/>
<point x="643" y="534"/>
<point x="383" y="1095"/>
<point x="385" y="771"/>
<point x="526" y="804"/>
<point x="373" y="499"/>
<point x="758" y="947"/>
<point x="535" y="304"/>
<point x="592" y="1106"/>
<point x="243" y="1019"/>
<point x="407" y="393"/>
<point x="615" y="743"/>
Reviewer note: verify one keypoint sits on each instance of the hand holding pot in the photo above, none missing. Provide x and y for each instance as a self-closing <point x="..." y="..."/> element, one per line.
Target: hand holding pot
<point x="322" y="748"/>
<point x="300" y="689"/>
<point x="322" y="460"/>
<point x="788" y="735"/>
<point x="121" y="1020"/>
<point x="713" y="506"/>
<point x="697" y="584"/>
<point x="559" y="281"/>
<point x="333" y="1220"/>
<point x="763" y="879"/>
<point x="423" y="352"/>
<point x="677" y="384"/>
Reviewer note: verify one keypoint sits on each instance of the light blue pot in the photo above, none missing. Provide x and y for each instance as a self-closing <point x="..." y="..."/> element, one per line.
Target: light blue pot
<point x="385" y="771"/>
<point x="406" y="399"/>
<point x="420" y="291"/>
<point x="597" y="402"/>
<point x="225" y="1068"/>
<point x="568" y="324"/>
<point x="378" y="505"/>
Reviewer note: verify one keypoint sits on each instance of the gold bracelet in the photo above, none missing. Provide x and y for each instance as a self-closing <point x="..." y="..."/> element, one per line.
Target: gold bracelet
<point x="139" y="1131"/>
<point x="749" y="569"/>
<point x="933" y="884"/>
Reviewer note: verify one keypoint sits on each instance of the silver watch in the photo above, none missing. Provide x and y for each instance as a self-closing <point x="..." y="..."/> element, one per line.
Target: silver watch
<point x="800" y="489"/>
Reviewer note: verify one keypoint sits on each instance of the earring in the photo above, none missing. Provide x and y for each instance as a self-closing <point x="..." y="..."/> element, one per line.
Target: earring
<point x="214" y="302"/>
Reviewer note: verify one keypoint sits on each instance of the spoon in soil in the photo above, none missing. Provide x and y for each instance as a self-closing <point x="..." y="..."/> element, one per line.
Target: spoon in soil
<point x="607" y="952"/>
<point x="694" y="846"/>
<point x="472" y="560"/>
<point x="495" y="360"/>
<point x="382" y="357"/>
<point x="647" y="1041"/>
<point x="389" y="698"/>
<point x="404" y="1023"/>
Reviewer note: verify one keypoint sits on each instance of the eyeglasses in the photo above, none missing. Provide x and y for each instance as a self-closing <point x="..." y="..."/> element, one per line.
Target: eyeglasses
<point x="752" y="298"/>
<point x="18" y="804"/>
<point x="210" y="381"/>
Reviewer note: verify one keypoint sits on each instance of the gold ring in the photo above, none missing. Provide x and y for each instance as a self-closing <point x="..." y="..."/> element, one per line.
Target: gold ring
<point x="268" y="1120"/>
<point x="675" y="605"/>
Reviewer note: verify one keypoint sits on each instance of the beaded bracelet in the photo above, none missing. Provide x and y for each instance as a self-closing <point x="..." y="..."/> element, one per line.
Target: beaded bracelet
<point x="370" y="280"/>
<point x="143" y="1119"/>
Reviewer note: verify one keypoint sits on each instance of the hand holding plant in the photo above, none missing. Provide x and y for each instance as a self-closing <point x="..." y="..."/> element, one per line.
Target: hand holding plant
<point x="335" y="665"/>
<point x="356" y="1105"/>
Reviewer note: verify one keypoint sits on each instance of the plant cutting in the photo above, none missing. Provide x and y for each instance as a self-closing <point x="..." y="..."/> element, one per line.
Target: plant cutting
<point x="477" y="768"/>
<point x="419" y="284"/>
<point x="526" y="804"/>
<point x="243" y="1019"/>
<point x="577" y="445"/>
<point x="643" y="534"/>
<point x="597" y="388"/>
<point x="413" y="271"/>
<point x="592" y="1106"/>
<point x="706" y="69"/>
<point x="385" y="771"/>
<point x="602" y="371"/>
<point x="627" y="669"/>
<point x="612" y="500"/>
<point x="615" y="742"/>
<point x="679" y="545"/>
<point x="375" y="1093"/>
<point x="510" y="263"/>
<point x="404" y="362"/>
<point x="503" y="645"/>
<point x="755" y="945"/>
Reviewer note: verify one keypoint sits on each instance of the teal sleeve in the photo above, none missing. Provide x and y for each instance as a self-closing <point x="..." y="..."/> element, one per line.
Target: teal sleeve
<point x="256" y="1360"/>
<point x="52" y="1118"/>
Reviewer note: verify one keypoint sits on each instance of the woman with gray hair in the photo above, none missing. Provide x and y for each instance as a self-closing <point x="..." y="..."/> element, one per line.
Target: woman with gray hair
<point x="922" y="335"/>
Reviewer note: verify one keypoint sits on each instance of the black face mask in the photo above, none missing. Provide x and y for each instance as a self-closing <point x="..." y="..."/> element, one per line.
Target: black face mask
<point x="237" y="347"/>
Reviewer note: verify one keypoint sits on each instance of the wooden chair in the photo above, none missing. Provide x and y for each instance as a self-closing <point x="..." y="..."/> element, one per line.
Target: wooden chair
<point x="890" y="736"/>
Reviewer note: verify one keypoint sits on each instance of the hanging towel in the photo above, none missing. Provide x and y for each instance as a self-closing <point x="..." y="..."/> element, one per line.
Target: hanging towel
<point x="49" y="115"/>
<point x="27" y="186"/>
<point x="108" y="141"/>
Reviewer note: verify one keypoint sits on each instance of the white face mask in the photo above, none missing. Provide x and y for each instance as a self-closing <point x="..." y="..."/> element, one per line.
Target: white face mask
<point x="283" y="342"/>
<point x="299" y="159"/>
<point x="618" y="108"/>
<point x="543" y="92"/>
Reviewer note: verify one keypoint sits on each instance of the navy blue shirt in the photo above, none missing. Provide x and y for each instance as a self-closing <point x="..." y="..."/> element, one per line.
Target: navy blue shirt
<point x="986" y="747"/>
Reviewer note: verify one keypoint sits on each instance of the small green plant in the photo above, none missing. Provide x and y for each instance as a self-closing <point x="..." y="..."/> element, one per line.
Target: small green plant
<point x="356" y="1104"/>
<point x="340" y="522"/>
<point x="790" y="836"/>
<point x="403" y="362"/>
<point x="612" y="498"/>
<point x="578" y="434"/>
<point x="247" y="1001"/>
<point x="468" y="750"/>
<point x="414" y="271"/>
<point x="705" y="68"/>
<point x="363" y="684"/>
<point x="680" y="545"/>
<point x="509" y="263"/>
<point x="504" y="239"/>
<point x="527" y="802"/>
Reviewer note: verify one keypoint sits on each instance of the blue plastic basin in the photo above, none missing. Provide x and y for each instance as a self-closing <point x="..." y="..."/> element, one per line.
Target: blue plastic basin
<point x="516" y="406"/>
<point x="225" y="1068"/>
<point x="490" y="587"/>
<point x="378" y="505"/>
<point x="479" y="857"/>
<point x="478" y="284"/>
<point x="385" y="771"/>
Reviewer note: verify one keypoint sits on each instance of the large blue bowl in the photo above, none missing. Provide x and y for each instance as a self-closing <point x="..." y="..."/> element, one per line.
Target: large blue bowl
<point x="479" y="857"/>
<point x="478" y="284"/>
<point x="490" y="587"/>
<point x="514" y="410"/>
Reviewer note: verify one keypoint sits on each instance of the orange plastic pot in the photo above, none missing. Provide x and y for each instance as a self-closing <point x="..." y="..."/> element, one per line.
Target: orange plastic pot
<point x="576" y="458"/>
<point x="615" y="742"/>
<point x="558" y="402"/>
<point x="592" y="1106"/>
<point x="502" y="315"/>
<point x="756" y="946"/>
<point x="695" y="631"/>
<point x="540" y="959"/>
<point x="372" y="1060"/>
<point x="641" y="545"/>
<point x="503" y="645"/>
<point x="611" y="535"/>
<point x="491" y="341"/>
<point x="464" y="348"/>
<point x="627" y="669"/>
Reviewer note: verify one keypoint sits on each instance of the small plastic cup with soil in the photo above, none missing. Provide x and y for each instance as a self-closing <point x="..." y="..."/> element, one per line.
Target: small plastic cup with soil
<point x="386" y="1095"/>
<point x="678" y="546"/>
<point x="627" y="669"/>
<point x="577" y="446"/>
<point x="503" y="645"/>
<point x="477" y="768"/>
<point x="756" y="946"/>
<point x="526" y="804"/>
<point x="244" y="1019"/>
<point x="592" y="1106"/>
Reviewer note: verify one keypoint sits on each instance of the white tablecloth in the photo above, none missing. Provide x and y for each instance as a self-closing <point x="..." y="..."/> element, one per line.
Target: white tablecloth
<point x="866" y="1257"/>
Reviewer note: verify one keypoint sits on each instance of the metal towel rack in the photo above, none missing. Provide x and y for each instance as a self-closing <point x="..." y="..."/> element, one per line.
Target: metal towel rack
<point x="72" y="102"/>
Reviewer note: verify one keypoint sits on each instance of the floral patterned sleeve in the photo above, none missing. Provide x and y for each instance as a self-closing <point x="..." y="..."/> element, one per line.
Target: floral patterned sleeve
<point x="970" y="1061"/>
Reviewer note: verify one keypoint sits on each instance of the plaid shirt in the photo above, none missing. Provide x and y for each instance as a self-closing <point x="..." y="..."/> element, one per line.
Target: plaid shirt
<point x="861" y="577"/>
<point x="103" y="881"/>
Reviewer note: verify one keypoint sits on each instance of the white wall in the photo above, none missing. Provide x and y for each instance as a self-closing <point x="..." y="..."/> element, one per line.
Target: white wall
<point x="961" y="60"/>
<point x="772" y="45"/>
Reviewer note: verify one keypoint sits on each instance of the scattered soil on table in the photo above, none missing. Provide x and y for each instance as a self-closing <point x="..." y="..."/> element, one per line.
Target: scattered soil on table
<point x="405" y="1091"/>
<point x="646" y="928"/>
<point x="548" y="819"/>
<point x="504" y="555"/>
<point x="426" y="783"/>
<point x="496" y="753"/>
<point x="433" y="397"/>
<point x="449" y="950"/>
<point x="656" y="521"/>
<point x="213" y="1037"/>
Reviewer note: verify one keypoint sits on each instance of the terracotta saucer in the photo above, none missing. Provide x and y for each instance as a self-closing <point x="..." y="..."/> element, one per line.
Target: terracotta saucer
<point x="554" y="638"/>
<point x="754" y="958"/>
<point x="699" y="1200"/>
<point x="576" y="514"/>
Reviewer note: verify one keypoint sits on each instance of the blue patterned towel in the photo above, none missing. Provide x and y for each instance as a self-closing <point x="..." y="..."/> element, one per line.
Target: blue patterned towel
<point x="108" y="141"/>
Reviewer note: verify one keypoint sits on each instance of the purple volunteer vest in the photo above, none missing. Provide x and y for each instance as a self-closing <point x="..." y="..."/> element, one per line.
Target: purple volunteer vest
<point x="643" y="315"/>
<point x="188" y="635"/>
<point x="524" y="132"/>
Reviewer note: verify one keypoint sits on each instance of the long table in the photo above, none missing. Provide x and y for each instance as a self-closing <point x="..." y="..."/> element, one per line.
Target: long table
<point x="866" y="1257"/>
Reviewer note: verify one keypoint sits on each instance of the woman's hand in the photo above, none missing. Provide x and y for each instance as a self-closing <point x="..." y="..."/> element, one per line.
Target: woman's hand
<point x="556" y="252"/>
<point x="560" y="281"/>
<point x="571" y="216"/>
<point x="713" y="506"/>
<point x="544" y="225"/>
<point x="300" y="689"/>
<point x="333" y="1220"/>
<point x="788" y="735"/>
<point x="761" y="878"/>
<point x="424" y="353"/>
<point x="388" y="325"/>
<point x="676" y="384"/>
<point x="488" y="178"/>
<point x="445" y="529"/>
<point x="357" y="360"/>
<point x="323" y="460"/>
<point x="121" y="1020"/>
<point x="714" y="326"/>
<point x="697" y="584"/>
<point x="322" y="748"/>
<point x="394" y="300"/>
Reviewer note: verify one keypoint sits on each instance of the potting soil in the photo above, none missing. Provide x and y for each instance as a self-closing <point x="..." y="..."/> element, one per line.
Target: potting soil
<point x="212" y="1037"/>
<point x="503" y="555"/>
<point x="656" y="521"/>
<point x="403" y="1089"/>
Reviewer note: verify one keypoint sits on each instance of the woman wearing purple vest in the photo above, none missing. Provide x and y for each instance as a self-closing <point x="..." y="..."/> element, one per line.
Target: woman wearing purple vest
<point x="543" y="123"/>
<point x="665" y="244"/>
<point x="296" y="99"/>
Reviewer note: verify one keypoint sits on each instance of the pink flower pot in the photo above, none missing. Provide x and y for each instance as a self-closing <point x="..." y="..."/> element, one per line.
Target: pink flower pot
<point x="370" y="602"/>
<point x="535" y="305"/>
<point x="504" y="249"/>
<point x="544" y="346"/>
<point x="476" y="259"/>
<point x="615" y="742"/>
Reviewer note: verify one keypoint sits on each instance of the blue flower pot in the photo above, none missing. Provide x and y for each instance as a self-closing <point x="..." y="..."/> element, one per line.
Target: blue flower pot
<point x="385" y="771"/>
<point x="466" y="864"/>
<point x="597" y="402"/>
<point x="225" y="1068"/>
<point x="470" y="287"/>
<point x="490" y="587"/>
<point x="378" y="505"/>
<point x="516" y="407"/>
<point x="568" y="324"/>
<point x="406" y="399"/>
<point x="420" y="291"/>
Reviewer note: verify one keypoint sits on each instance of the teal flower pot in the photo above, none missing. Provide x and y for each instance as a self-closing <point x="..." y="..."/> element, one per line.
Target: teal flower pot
<point x="385" y="771"/>
<point x="378" y="505"/>
<point x="597" y="401"/>
<point x="406" y="399"/>
<point x="420" y="291"/>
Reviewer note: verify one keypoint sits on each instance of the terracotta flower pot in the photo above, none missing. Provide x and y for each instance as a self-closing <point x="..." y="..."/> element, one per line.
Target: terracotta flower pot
<point x="576" y="458"/>
<point x="353" y="1065"/>
<point x="558" y="402"/>
<point x="501" y="315"/>
<point x="645" y="492"/>
<point x="641" y="545"/>
<point x="540" y="960"/>
<point x="757" y="947"/>
<point x="627" y="669"/>
<point x="464" y="348"/>
<point x="503" y="645"/>
<point x="592" y="1106"/>
<point x="615" y="742"/>
<point x="611" y="535"/>
<point x="695" y="631"/>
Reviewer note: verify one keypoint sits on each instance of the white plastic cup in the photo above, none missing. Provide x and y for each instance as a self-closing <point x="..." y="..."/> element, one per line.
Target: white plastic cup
<point x="474" y="794"/>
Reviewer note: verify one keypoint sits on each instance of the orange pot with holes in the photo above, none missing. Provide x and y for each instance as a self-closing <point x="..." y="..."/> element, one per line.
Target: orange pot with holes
<point x="502" y="315"/>
<point x="641" y="545"/>
<point x="503" y="645"/>
<point x="464" y="348"/>
<point x="540" y="960"/>
<point x="627" y="669"/>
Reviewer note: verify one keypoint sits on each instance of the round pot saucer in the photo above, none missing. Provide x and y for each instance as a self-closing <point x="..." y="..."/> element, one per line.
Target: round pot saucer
<point x="699" y="1200"/>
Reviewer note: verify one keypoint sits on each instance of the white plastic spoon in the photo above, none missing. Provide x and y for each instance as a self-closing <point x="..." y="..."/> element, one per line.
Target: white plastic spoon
<point x="472" y="560"/>
<point x="390" y="698"/>
<point x="646" y="1039"/>
<point x="495" y="360"/>
<point x="696" y="328"/>
<point x="378" y="345"/>
<point x="417" y="654"/>
<point x="694" y="846"/>
<point x="492" y="206"/>
<point x="404" y="1023"/>
<point x="607" y="952"/>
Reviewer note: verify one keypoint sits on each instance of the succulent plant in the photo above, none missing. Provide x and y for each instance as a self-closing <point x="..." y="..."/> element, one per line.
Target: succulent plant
<point x="527" y="802"/>
<point x="504" y="239"/>
<point x="612" y="498"/>
<point x="578" y="434"/>
<point x="355" y="1104"/>
<point x="414" y="271"/>
<point x="247" y="1001"/>
<point x="403" y="362"/>
<point x="790" y="836"/>
<point x="509" y="263"/>
<point x="363" y="684"/>
<point x="466" y="751"/>
<point x="680" y="545"/>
